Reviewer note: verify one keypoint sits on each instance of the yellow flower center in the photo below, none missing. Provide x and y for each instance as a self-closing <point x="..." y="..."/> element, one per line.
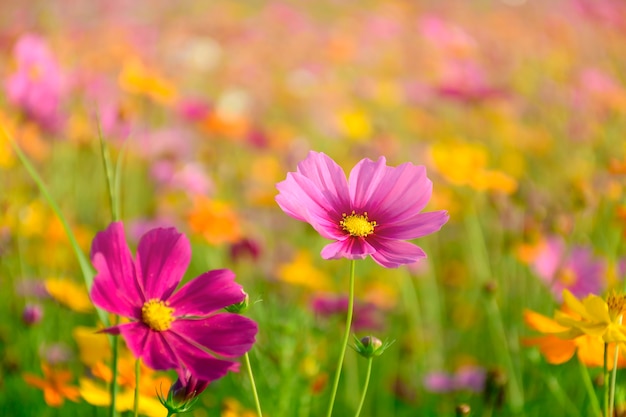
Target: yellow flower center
<point x="357" y="224"/>
<point x="616" y="303"/>
<point x="157" y="315"/>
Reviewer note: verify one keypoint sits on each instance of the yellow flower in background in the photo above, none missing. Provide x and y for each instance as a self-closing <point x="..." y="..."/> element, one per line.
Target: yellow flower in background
<point x="215" y="220"/>
<point x="135" y="78"/>
<point x="301" y="271"/>
<point x="355" y="124"/>
<point x="597" y="318"/>
<point x="233" y="408"/>
<point x="93" y="347"/>
<point x="70" y="294"/>
<point x="96" y="392"/>
<point x="466" y="164"/>
<point x="55" y="385"/>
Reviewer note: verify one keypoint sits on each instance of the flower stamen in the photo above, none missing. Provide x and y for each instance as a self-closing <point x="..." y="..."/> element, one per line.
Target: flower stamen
<point x="358" y="225"/>
<point x="157" y="315"/>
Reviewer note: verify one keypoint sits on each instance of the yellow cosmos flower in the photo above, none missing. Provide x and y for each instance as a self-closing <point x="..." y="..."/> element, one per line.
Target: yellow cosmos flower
<point x="597" y="317"/>
<point x="136" y="78"/>
<point x="69" y="294"/>
<point x="93" y="347"/>
<point x="301" y="271"/>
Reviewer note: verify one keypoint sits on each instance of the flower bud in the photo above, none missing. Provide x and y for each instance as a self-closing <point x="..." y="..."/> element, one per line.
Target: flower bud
<point x="239" y="308"/>
<point x="32" y="314"/>
<point x="183" y="394"/>
<point x="370" y="346"/>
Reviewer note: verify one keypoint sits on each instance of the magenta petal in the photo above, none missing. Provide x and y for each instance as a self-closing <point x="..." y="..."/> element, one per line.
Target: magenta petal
<point x="300" y="198"/>
<point x="207" y="293"/>
<point x="115" y="284"/>
<point x="365" y="179"/>
<point x="226" y="334"/>
<point x="393" y="253"/>
<point x="327" y="176"/>
<point x="421" y="224"/>
<point x="403" y="192"/>
<point x="350" y="248"/>
<point x="163" y="255"/>
<point x="199" y="363"/>
<point x="151" y="346"/>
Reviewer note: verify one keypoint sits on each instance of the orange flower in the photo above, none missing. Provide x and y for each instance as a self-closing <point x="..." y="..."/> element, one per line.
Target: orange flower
<point x="215" y="220"/>
<point x="54" y="385"/>
<point x="589" y="349"/>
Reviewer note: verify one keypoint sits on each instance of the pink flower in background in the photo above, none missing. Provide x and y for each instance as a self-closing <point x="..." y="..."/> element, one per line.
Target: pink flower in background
<point x="575" y="269"/>
<point x="366" y="315"/>
<point x="466" y="378"/>
<point x="169" y="329"/>
<point x="37" y="84"/>
<point x="372" y="213"/>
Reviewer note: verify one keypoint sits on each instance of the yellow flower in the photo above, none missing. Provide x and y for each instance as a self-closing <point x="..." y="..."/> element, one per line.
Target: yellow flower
<point x="214" y="220"/>
<point x="301" y="271"/>
<point x="93" y="347"/>
<point x="355" y="124"/>
<point x="136" y="78"/>
<point x="69" y="294"/>
<point x="54" y="385"/>
<point x="597" y="317"/>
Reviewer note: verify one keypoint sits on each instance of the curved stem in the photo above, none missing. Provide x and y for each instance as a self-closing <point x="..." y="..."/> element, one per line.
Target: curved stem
<point x="257" y="403"/>
<point x="346" y="337"/>
<point x="367" y="382"/>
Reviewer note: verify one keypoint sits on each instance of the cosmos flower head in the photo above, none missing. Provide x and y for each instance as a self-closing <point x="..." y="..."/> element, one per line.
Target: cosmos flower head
<point x="371" y="213"/>
<point x="169" y="329"/>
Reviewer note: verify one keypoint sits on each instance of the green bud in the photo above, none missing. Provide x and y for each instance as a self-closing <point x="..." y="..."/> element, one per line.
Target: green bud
<point x="239" y="308"/>
<point x="370" y="346"/>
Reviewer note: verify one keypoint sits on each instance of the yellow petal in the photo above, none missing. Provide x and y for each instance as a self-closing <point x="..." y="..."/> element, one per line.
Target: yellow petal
<point x="576" y="306"/>
<point x="596" y="308"/>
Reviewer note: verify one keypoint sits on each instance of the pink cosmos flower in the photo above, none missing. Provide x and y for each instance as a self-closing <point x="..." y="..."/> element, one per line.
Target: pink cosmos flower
<point x="371" y="213"/>
<point x="169" y="329"/>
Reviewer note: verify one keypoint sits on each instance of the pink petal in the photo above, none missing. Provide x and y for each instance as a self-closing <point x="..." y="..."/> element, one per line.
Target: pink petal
<point x="327" y="176"/>
<point x="163" y="255"/>
<point x="301" y="199"/>
<point x="393" y="253"/>
<point x="225" y="334"/>
<point x="402" y="192"/>
<point x="350" y="248"/>
<point x="365" y="179"/>
<point x="201" y="364"/>
<point x="149" y="345"/>
<point x="207" y="293"/>
<point x="421" y="224"/>
<point x="115" y="286"/>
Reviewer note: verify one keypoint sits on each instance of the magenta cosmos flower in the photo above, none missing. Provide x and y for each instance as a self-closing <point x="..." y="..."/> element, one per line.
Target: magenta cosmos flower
<point x="169" y="329"/>
<point x="372" y="213"/>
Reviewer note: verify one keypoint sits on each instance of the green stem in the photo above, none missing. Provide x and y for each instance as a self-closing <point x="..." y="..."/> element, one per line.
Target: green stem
<point x="137" y="375"/>
<point x="613" y="378"/>
<point x="257" y="403"/>
<point x="346" y="337"/>
<point x="113" y="386"/>
<point x="106" y="161"/>
<point x="593" y="398"/>
<point x="606" y="379"/>
<point x="367" y="382"/>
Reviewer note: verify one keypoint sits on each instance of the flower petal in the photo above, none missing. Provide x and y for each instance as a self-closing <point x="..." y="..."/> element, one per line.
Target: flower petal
<point x="115" y="286"/>
<point x="149" y="345"/>
<point x="327" y="176"/>
<point x="207" y="293"/>
<point x="163" y="255"/>
<point x="226" y="334"/>
<point x="201" y="364"/>
<point x="389" y="194"/>
<point x="419" y="225"/>
<point x="393" y="253"/>
<point x="301" y="199"/>
<point x="350" y="248"/>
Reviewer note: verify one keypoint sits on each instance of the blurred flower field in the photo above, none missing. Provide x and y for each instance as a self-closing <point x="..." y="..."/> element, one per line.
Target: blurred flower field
<point x="204" y="202"/>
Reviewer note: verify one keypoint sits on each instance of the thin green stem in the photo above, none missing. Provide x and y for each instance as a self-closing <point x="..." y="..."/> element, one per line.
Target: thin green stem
<point x="606" y="379"/>
<point x="591" y="392"/>
<point x="613" y="378"/>
<point x="137" y="375"/>
<point x="346" y="337"/>
<point x="108" y="171"/>
<point x="113" y="386"/>
<point x="257" y="403"/>
<point x="367" y="382"/>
